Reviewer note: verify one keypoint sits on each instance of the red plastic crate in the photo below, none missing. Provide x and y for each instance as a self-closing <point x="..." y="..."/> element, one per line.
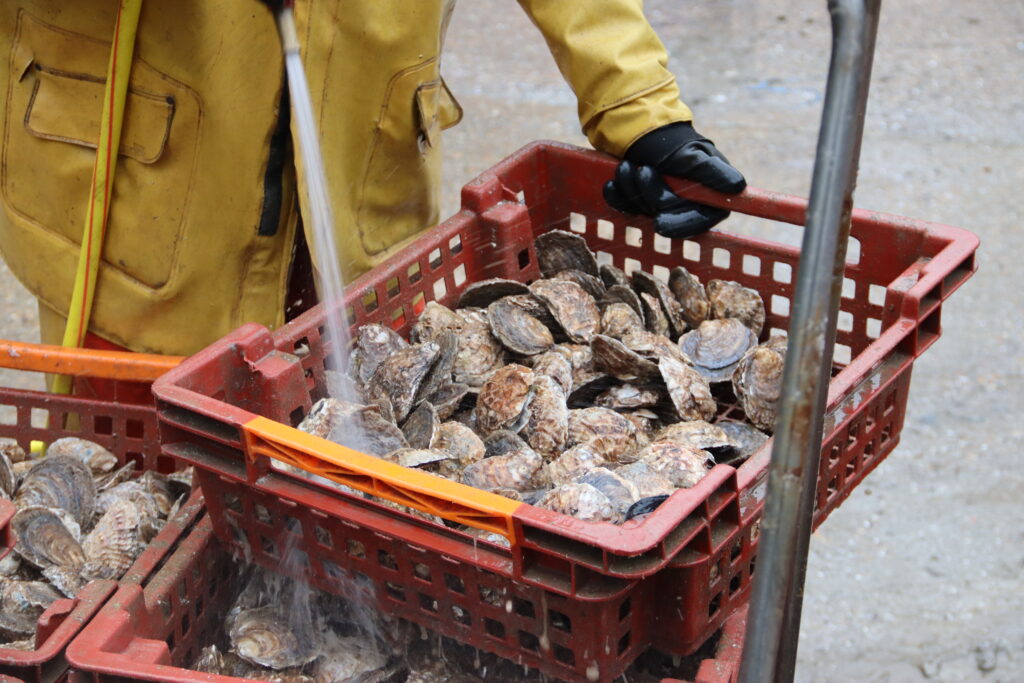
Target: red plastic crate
<point x="154" y="626"/>
<point x="128" y="431"/>
<point x="690" y="562"/>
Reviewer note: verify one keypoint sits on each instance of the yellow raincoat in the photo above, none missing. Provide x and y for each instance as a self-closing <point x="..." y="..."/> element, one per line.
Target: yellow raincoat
<point x="202" y="224"/>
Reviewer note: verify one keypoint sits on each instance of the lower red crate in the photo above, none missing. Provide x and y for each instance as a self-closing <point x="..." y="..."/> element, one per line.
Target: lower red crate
<point x="151" y="628"/>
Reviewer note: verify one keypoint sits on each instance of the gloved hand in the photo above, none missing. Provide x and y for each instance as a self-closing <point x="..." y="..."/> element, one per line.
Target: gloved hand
<point x="276" y="5"/>
<point x="680" y="151"/>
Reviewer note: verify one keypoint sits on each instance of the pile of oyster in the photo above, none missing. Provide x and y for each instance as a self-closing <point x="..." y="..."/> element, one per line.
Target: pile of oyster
<point x="286" y="632"/>
<point x="79" y="517"/>
<point x="589" y="392"/>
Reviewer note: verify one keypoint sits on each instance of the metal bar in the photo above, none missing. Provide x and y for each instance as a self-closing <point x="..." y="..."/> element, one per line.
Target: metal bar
<point x="774" y="625"/>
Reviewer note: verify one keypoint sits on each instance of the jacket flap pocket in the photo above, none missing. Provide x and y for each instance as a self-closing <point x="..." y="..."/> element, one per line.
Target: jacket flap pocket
<point x="67" y="107"/>
<point x="428" y="108"/>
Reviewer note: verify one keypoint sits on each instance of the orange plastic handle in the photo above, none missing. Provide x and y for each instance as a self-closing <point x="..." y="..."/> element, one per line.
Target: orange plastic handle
<point x="58" y="360"/>
<point x="405" y="486"/>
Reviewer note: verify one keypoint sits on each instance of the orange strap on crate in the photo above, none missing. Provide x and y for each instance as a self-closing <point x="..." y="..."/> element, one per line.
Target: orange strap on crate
<point x="416" y="489"/>
<point x="114" y="365"/>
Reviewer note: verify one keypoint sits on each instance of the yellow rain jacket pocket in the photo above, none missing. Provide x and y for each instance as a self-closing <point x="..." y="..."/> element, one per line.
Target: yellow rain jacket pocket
<point x="398" y="195"/>
<point x="53" y="118"/>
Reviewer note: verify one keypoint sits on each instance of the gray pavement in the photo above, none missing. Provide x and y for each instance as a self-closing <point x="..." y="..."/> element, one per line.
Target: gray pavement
<point x="920" y="575"/>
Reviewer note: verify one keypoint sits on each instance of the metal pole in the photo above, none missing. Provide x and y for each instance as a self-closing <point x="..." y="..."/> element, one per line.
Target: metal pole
<point x="774" y="624"/>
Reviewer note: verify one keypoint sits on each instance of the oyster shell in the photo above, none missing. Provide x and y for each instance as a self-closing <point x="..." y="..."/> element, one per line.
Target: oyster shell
<point x="609" y="434"/>
<point x="629" y="396"/>
<point x="518" y="330"/>
<point x="447" y="399"/>
<point x="59" y="481"/>
<point x="654" y="346"/>
<point x="623" y="294"/>
<point x="504" y="398"/>
<point x="757" y="382"/>
<point x="349" y="658"/>
<point x="419" y="427"/>
<point x="264" y="636"/>
<point x="646" y="421"/>
<point x="373" y="344"/>
<point x="8" y="479"/>
<point x="730" y="299"/>
<point x="479" y="352"/>
<point x="522" y="470"/>
<point x="12" y="450"/>
<point x="690" y="293"/>
<point x="535" y="308"/>
<point x="611" y="276"/>
<point x="689" y="391"/>
<point x="574" y="309"/>
<point x="398" y="376"/>
<point x="654" y="316"/>
<point x="547" y="428"/>
<point x="439" y="376"/>
<point x="581" y="358"/>
<point x="95" y="457"/>
<point x="558" y="250"/>
<point x="671" y="308"/>
<point x="717" y="346"/>
<point x="591" y="285"/>
<point x="648" y="482"/>
<point x="683" y="465"/>
<point x="112" y="479"/>
<point x="619" y="361"/>
<point x="698" y="434"/>
<point x="581" y="501"/>
<point x="462" y="445"/>
<point x="572" y="463"/>
<point x="434" y="319"/>
<point x="556" y="365"/>
<point x="45" y="540"/>
<point x="482" y="294"/>
<point x="118" y="538"/>
<point x="355" y="426"/>
<point x="21" y="604"/>
<point x="746" y="438"/>
<point x="621" y="492"/>
<point x="417" y="457"/>
<point x="619" y="319"/>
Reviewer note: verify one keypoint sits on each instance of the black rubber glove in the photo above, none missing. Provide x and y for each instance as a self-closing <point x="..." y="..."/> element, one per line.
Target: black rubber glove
<point x="680" y="151"/>
<point x="276" y="5"/>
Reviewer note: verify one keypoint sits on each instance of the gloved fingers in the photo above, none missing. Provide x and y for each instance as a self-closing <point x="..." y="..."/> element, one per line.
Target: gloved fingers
<point x="688" y="221"/>
<point x="616" y="200"/>
<point x="627" y="181"/>
<point x="703" y="163"/>
<point x="655" y="193"/>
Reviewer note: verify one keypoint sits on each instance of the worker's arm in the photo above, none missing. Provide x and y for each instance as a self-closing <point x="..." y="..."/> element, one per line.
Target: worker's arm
<point x="629" y="106"/>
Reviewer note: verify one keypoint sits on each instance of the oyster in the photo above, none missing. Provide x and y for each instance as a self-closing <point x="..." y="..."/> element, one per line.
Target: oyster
<point x="717" y="346"/>
<point x="398" y="376"/>
<point x="264" y="636"/>
<point x="619" y="319"/>
<point x="654" y="346"/>
<point x="535" y="308"/>
<point x="10" y="565"/>
<point x="504" y="398"/>
<point x="581" y="358"/>
<point x="12" y="450"/>
<point x="434" y="319"/>
<point x="591" y="285"/>
<point x="609" y="434"/>
<point x="671" y="308"/>
<point x="558" y="250"/>
<point x="747" y="440"/>
<point x="612" y="276"/>
<point x="572" y="463"/>
<point x="621" y="492"/>
<point x="420" y="426"/>
<point x="59" y="481"/>
<point x="757" y="382"/>
<point x="690" y="293"/>
<point x="479" y="352"/>
<point x="730" y="299"/>
<point x="623" y="294"/>
<point x="574" y="309"/>
<point x="439" y="376"/>
<point x="482" y="294"/>
<point x="355" y="426"/>
<point x="522" y="470"/>
<point x="95" y="457"/>
<point x="8" y="479"/>
<point x="518" y="330"/>
<point x="618" y="360"/>
<point x="648" y="482"/>
<point x="646" y="421"/>
<point x="112" y="479"/>
<point x="683" y="465"/>
<point x="654" y="316"/>
<point x="118" y="538"/>
<point x="373" y="344"/>
<point x="554" y="364"/>
<point x="447" y="399"/>
<point x="416" y="457"/>
<point x="698" y="434"/>
<point x="462" y="445"/>
<point x="21" y="604"/>
<point x="689" y="391"/>
<point x="581" y="501"/>
<point x="348" y="659"/>
<point x="629" y="396"/>
<point x="44" y="539"/>
<point x="547" y="428"/>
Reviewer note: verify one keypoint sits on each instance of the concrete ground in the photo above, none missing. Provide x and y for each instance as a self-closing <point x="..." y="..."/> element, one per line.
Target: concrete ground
<point x="920" y="575"/>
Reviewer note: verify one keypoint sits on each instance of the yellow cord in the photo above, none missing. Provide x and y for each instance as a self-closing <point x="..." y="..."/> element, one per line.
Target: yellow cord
<point x="114" y="96"/>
